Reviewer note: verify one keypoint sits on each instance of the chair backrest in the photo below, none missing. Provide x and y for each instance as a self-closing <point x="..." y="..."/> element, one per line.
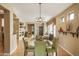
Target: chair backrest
<point x="40" y="48"/>
<point x="25" y="43"/>
<point x="55" y="43"/>
<point x="26" y="34"/>
<point x="38" y="37"/>
<point x="51" y="37"/>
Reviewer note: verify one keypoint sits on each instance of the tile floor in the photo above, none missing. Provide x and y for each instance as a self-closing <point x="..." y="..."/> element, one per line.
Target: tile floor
<point x="20" y="49"/>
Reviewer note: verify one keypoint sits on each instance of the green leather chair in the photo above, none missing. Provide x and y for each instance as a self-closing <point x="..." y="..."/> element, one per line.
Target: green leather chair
<point x="54" y="46"/>
<point x="40" y="48"/>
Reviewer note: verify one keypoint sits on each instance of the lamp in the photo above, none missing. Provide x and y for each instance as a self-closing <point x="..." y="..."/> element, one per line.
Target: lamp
<point x="39" y="19"/>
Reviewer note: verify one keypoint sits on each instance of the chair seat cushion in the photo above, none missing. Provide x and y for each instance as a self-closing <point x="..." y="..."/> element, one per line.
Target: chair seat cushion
<point x="50" y="50"/>
<point x="30" y="48"/>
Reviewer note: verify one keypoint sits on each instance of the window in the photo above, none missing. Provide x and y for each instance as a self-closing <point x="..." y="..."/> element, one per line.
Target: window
<point x="62" y="19"/>
<point x="2" y="22"/>
<point x="50" y="29"/>
<point x="71" y="16"/>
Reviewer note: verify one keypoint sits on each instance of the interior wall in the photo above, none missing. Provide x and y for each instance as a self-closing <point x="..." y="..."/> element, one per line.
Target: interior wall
<point x="11" y="49"/>
<point x="74" y="22"/>
<point x="68" y="42"/>
<point x="16" y="27"/>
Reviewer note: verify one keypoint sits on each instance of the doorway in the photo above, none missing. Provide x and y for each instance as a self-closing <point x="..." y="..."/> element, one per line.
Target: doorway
<point x="1" y="34"/>
<point x="4" y="31"/>
<point x="41" y="30"/>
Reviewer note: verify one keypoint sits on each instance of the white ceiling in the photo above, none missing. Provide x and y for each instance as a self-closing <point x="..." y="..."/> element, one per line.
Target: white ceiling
<point x="29" y="11"/>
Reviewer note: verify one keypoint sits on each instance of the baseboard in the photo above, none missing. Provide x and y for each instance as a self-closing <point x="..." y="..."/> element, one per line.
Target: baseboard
<point x="6" y="54"/>
<point x="66" y="50"/>
<point x="13" y="51"/>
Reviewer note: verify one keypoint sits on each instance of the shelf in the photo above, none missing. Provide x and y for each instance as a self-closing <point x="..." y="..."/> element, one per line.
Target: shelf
<point x="72" y="33"/>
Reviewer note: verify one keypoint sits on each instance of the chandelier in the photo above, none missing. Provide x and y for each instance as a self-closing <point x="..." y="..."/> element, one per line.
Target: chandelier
<point x="39" y="19"/>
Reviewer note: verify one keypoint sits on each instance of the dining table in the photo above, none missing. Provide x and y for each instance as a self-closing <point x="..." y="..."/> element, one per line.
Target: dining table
<point x="39" y="46"/>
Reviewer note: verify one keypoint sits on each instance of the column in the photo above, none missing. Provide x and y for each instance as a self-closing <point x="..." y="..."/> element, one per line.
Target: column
<point x="7" y="32"/>
<point x="45" y="27"/>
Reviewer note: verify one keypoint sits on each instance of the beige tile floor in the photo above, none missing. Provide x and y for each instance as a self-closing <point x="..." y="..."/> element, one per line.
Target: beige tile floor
<point x="20" y="49"/>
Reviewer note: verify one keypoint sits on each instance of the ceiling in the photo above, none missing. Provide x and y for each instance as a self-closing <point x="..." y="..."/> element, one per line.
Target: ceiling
<point x="29" y="11"/>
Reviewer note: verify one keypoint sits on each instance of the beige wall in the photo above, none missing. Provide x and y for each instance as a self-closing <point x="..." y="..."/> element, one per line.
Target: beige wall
<point x="6" y="31"/>
<point x="9" y="44"/>
<point x="16" y="27"/>
<point x="74" y="22"/>
<point x="68" y="42"/>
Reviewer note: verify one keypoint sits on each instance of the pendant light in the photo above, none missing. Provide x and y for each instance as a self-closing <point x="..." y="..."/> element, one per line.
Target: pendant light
<point x="39" y="19"/>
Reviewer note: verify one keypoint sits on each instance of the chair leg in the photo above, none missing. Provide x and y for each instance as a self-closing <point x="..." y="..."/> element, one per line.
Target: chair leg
<point x="24" y="53"/>
<point x="34" y="53"/>
<point x="56" y="53"/>
<point x="47" y="54"/>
